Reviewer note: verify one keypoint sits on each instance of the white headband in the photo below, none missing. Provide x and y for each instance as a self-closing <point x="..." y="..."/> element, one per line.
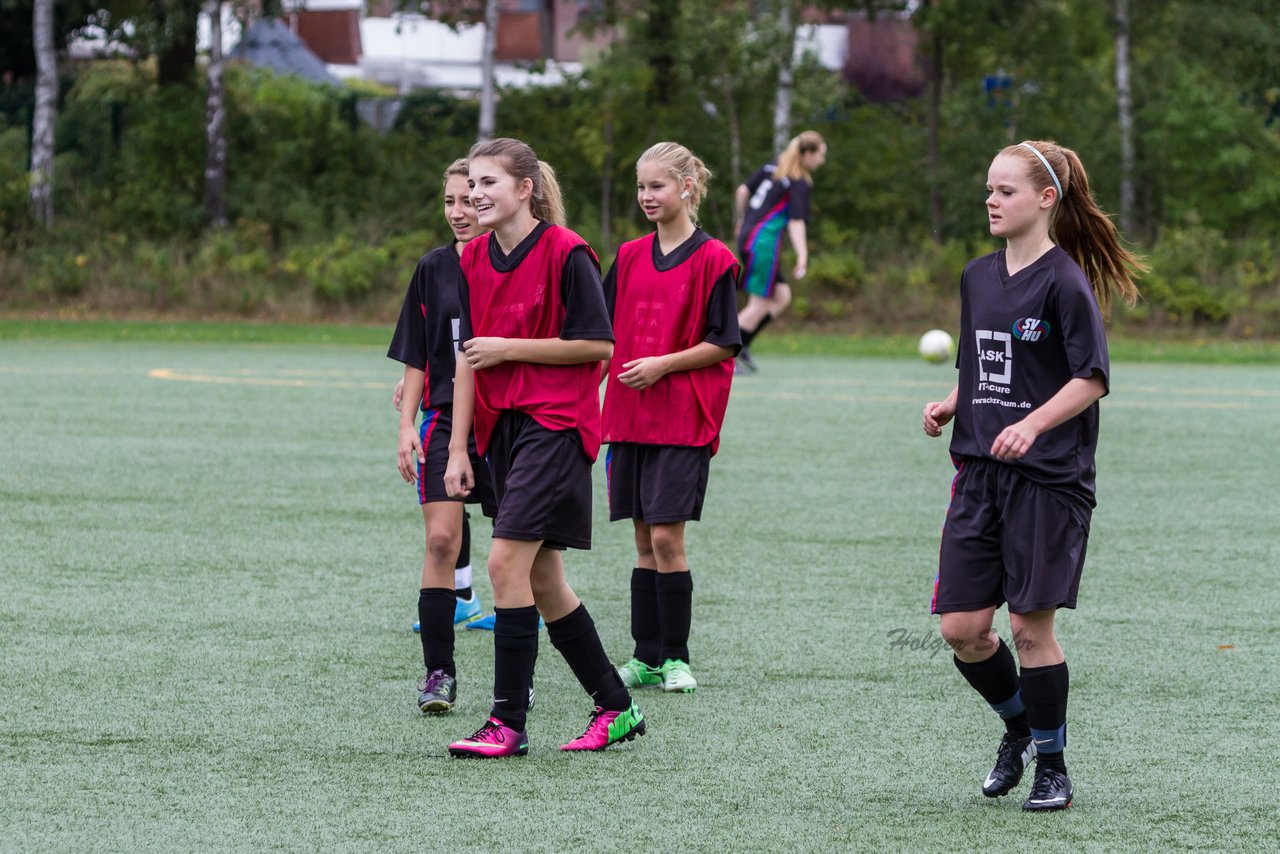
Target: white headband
<point x="1052" y="174"/>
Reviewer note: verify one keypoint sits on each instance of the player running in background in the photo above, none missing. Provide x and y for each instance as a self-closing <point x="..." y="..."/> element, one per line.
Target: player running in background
<point x="425" y="340"/>
<point x="534" y="328"/>
<point x="1032" y="365"/>
<point x="673" y="303"/>
<point x="774" y="201"/>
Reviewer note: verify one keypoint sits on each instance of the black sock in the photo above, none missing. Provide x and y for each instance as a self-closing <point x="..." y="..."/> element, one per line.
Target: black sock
<point x="1044" y="690"/>
<point x="749" y="336"/>
<point x="644" y="616"/>
<point x="575" y="636"/>
<point x="435" y="622"/>
<point x="996" y="679"/>
<point x="675" y="612"/>
<point x="464" y="555"/>
<point x="515" y="648"/>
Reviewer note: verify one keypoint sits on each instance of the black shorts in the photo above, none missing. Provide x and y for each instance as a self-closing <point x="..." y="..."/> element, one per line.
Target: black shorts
<point x="656" y="484"/>
<point x="434" y="433"/>
<point x="1008" y="539"/>
<point x="542" y="480"/>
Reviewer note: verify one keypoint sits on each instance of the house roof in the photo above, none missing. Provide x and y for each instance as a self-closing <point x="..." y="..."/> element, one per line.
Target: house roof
<point x="270" y="44"/>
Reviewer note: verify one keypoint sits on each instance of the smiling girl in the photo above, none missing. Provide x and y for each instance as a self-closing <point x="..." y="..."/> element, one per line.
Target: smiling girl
<point x="672" y="298"/>
<point x="425" y="341"/>
<point x="534" y="329"/>
<point x="1033" y="364"/>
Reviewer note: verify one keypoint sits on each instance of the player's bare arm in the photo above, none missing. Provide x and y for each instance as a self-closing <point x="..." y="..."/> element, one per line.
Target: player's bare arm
<point x="409" y="447"/>
<point x="1073" y="398"/>
<point x="481" y="353"/>
<point x="458" y="476"/>
<point x="644" y="372"/>
<point x="797" y="231"/>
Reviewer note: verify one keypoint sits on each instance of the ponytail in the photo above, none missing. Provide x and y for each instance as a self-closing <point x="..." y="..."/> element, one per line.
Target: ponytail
<point x="547" y="202"/>
<point x="1079" y="226"/>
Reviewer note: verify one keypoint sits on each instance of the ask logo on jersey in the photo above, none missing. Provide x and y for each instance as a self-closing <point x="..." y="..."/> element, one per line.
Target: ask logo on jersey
<point x="995" y="360"/>
<point x="1030" y="329"/>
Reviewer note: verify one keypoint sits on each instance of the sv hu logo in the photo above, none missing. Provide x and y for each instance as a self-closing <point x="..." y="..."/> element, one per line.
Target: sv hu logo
<point x="1030" y="329"/>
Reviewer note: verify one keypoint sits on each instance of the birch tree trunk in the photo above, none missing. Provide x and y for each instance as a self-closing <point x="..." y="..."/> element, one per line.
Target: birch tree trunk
<point x="786" y="59"/>
<point x="606" y="188"/>
<point x="488" y="107"/>
<point x="215" y="154"/>
<point x="935" y="134"/>
<point x="46" y="113"/>
<point x="1124" y="104"/>
<point x="735" y="130"/>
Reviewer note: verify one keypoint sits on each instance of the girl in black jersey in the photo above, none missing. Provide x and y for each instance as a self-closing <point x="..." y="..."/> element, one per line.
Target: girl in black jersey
<point x="425" y="341"/>
<point x="774" y="202"/>
<point x="1032" y="366"/>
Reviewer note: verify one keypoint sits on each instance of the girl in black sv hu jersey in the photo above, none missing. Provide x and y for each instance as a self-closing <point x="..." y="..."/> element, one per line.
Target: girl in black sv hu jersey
<point x="774" y="202"/>
<point x="1032" y="366"/>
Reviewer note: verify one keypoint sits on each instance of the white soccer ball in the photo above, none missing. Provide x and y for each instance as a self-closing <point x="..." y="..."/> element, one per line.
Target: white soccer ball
<point x="936" y="346"/>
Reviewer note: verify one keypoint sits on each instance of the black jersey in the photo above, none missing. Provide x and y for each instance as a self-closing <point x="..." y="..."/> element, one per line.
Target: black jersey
<point x="426" y="335"/>
<point x="772" y="201"/>
<point x="1022" y="338"/>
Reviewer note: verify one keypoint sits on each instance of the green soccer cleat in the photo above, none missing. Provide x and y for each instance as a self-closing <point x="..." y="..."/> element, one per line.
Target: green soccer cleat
<point x="636" y="674"/>
<point x="677" y="678"/>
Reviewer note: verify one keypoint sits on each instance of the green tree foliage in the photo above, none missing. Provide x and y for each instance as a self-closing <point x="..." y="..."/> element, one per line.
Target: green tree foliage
<point x="307" y="177"/>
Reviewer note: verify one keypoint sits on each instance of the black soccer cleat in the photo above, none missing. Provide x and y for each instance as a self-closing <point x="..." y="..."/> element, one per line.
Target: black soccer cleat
<point x="1011" y="760"/>
<point x="1052" y="790"/>
<point x="437" y="692"/>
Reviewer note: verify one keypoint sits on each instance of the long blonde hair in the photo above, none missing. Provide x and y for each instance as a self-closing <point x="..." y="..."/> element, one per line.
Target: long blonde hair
<point x="1079" y="226"/>
<point x="681" y="163"/>
<point x="790" y="161"/>
<point x="547" y="202"/>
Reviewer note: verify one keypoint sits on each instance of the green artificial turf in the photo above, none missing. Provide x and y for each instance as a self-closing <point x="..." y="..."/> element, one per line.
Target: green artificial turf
<point x="209" y="574"/>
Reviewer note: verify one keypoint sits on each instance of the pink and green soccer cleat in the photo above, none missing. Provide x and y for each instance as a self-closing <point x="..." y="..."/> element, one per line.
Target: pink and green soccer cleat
<point x="606" y="728"/>
<point x="492" y="741"/>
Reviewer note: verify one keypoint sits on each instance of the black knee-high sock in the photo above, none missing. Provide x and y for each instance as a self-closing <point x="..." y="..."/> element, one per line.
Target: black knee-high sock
<point x="644" y="616"/>
<point x="435" y="619"/>
<point x="515" y="648"/>
<point x="464" y="555"/>
<point x="1044" y="690"/>
<point x="749" y="335"/>
<point x="575" y="636"/>
<point x="675" y="612"/>
<point x="996" y="679"/>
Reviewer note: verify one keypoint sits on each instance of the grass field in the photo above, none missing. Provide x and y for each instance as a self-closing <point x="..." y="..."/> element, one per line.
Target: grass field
<point x="210" y="564"/>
